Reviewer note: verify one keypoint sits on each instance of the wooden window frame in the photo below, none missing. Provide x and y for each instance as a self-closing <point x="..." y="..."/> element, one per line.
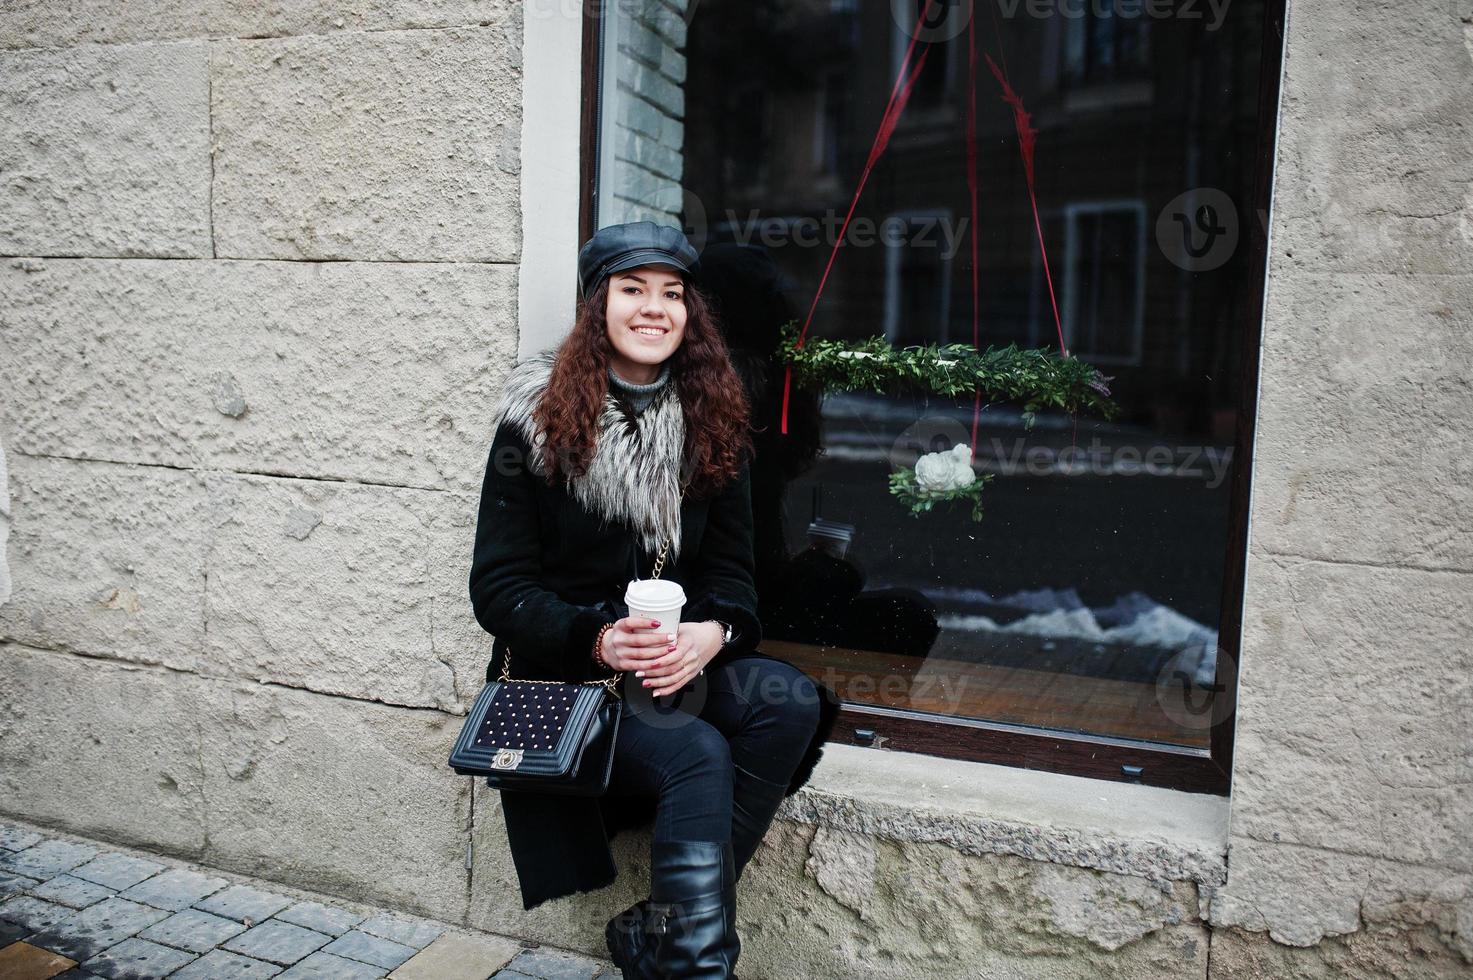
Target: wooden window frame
<point x="1095" y="756"/>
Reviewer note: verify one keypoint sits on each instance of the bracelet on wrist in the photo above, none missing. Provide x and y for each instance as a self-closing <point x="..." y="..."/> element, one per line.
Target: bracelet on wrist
<point x="728" y="633"/>
<point x="598" y="644"/>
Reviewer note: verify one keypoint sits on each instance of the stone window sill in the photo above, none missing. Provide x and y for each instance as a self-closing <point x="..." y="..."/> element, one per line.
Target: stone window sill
<point x="977" y="808"/>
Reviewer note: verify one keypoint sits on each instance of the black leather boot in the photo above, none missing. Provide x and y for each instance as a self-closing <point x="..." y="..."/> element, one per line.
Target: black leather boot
<point x="626" y="938"/>
<point x="690" y="921"/>
<point x="754" y="803"/>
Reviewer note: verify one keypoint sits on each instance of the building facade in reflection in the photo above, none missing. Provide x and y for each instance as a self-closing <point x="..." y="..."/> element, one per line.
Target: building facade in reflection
<point x="1101" y="560"/>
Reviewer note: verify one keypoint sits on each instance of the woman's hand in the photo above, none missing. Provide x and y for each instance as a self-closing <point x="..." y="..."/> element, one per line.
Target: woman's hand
<point x="633" y="643"/>
<point x="694" y="648"/>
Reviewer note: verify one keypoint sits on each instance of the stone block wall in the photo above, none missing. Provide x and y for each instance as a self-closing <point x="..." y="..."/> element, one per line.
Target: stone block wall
<point x="1351" y="796"/>
<point x="257" y="293"/>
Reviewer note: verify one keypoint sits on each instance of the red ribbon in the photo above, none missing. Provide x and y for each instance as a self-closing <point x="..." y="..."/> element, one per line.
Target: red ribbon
<point x="1026" y="134"/>
<point x="905" y="80"/>
<point x="900" y="93"/>
<point x="972" y="191"/>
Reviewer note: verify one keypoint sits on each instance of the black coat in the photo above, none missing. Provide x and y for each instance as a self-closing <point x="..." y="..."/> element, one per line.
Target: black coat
<point x="546" y="575"/>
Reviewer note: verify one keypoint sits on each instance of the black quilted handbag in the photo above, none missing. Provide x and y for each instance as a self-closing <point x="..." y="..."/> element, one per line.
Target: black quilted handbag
<point x="541" y="736"/>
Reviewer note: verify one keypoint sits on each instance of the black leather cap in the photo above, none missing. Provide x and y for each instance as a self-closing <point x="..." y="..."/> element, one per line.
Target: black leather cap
<point x="628" y="246"/>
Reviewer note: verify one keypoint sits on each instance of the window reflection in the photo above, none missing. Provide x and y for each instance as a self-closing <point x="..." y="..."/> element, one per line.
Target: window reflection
<point x="1097" y="572"/>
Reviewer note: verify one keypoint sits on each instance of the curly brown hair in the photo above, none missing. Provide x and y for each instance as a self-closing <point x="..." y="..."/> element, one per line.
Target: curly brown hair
<point x="713" y="401"/>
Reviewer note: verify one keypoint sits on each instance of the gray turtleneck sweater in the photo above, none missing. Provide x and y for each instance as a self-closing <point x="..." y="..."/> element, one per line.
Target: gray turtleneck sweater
<point x="639" y="396"/>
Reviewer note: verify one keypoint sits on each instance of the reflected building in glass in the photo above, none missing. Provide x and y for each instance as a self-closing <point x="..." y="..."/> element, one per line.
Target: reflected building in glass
<point x="1099" y="569"/>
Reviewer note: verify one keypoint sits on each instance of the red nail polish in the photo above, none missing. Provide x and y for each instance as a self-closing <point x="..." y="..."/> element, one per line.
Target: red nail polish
<point x="657" y="624"/>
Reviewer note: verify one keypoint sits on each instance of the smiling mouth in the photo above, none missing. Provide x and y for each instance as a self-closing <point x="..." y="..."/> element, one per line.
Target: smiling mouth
<point x="650" y="331"/>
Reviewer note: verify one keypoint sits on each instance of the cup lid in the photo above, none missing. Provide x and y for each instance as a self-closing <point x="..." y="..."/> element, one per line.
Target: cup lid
<point x="831" y="529"/>
<point x="654" y="591"/>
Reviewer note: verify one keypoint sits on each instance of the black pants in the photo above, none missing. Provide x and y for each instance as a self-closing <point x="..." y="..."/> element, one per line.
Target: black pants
<point x="752" y="712"/>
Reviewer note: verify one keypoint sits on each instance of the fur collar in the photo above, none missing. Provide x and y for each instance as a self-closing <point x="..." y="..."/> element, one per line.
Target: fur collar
<point x="634" y="478"/>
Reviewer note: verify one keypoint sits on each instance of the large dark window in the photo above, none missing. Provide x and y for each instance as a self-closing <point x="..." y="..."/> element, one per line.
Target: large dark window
<point x="1089" y="623"/>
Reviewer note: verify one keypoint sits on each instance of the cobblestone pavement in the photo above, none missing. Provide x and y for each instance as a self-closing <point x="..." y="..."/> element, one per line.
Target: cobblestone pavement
<point x="72" y="908"/>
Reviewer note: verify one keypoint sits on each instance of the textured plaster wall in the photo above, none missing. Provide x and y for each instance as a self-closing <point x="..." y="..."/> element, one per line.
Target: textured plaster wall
<point x="1352" y="796"/>
<point x="4" y="528"/>
<point x="258" y="291"/>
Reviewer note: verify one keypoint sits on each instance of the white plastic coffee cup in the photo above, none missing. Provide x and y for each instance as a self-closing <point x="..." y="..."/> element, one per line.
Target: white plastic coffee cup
<point x="657" y="599"/>
<point x="831" y="536"/>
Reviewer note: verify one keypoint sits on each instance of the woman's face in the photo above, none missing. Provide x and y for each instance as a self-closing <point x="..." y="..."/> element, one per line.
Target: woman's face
<point x="646" y="320"/>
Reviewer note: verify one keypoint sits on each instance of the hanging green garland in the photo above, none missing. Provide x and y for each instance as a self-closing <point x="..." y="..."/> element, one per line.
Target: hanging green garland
<point x="1041" y="379"/>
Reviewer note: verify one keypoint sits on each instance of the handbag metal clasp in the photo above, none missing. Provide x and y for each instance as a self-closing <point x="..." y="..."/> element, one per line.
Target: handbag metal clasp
<point x="506" y="759"/>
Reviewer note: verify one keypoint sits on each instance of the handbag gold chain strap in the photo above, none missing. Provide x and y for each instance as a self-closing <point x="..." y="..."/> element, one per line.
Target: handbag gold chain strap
<point x="610" y="683"/>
